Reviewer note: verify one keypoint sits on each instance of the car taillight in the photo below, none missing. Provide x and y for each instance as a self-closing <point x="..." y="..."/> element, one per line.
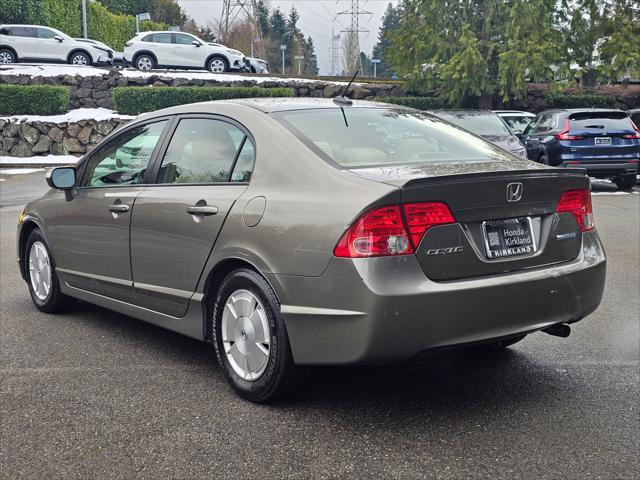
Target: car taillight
<point x="383" y="231"/>
<point x="578" y="203"/>
<point x="564" y="134"/>
<point x="633" y="135"/>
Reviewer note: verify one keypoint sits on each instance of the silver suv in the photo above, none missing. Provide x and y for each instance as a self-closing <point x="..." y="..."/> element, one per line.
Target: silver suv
<point x="149" y="50"/>
<point x="46" y="44"/>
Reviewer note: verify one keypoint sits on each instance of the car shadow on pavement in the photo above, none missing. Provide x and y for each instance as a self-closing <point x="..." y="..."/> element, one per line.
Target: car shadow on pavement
<point x="473" y="378"/>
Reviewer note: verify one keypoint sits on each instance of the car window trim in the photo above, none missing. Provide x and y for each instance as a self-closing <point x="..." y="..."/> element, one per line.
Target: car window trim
<point x="87" y="158"/>
<point x="155" y="171"/>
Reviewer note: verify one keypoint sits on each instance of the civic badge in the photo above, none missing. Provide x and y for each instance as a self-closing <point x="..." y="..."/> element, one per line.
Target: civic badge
<point x="514" y="192"/>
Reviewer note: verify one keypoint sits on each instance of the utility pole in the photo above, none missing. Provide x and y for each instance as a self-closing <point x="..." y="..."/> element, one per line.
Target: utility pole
<point x="84" y="19"/>
<point x="354" y="28"/>
<point x="283" y="48"/>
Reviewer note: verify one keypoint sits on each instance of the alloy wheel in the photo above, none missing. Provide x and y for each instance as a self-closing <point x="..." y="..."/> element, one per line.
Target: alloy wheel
<point x="246" y="335"/>
<point x="144" y="64"/>
<point x="40" y="270"/>
<point x="79" y="59"/>
<point x="5" y="58"/>
<point x="217" y="65"/>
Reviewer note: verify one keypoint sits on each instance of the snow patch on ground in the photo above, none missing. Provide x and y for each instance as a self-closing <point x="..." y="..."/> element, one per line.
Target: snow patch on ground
<point x="52" y="70"/>
<point x="18" y="171"/>
<point x="97" y="114"/>
<point x="43" y="160"/>
<point x="56" y="70"/>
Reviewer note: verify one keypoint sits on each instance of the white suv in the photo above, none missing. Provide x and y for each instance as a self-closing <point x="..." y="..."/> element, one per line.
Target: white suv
<point x="45" y="44"/>
<point x="149" y="50"/>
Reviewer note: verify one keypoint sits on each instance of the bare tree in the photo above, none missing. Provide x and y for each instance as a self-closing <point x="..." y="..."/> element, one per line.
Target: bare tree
<point x="350" y="52"/>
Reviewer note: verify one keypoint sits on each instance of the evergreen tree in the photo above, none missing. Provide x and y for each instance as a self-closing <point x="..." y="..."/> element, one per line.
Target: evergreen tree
<point x="390" y="23"/>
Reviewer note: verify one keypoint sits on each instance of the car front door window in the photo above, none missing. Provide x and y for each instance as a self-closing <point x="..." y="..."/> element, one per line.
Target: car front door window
<point x="124" y="160"/>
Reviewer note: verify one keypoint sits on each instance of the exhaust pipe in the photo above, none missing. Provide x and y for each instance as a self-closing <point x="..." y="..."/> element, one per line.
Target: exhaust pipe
<point x="558" y="330"/>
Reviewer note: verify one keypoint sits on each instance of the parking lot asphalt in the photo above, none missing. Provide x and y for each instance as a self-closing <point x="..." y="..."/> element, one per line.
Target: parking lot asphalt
<point x="95" y="394"/>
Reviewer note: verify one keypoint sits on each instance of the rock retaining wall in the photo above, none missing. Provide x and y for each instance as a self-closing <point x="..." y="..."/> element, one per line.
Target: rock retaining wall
<point x="32" y="138"/>
<point x="95" y="91"/>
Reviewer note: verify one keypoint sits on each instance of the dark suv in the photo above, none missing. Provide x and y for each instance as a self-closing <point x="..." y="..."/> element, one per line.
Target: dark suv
<point x="605" y="142"/>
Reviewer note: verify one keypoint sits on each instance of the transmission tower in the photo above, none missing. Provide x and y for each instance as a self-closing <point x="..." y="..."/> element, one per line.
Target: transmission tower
<point x="354" y="28"/>
<point x="231" y="9"/>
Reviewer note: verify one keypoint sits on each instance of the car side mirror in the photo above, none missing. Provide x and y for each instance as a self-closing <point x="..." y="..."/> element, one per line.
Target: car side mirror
<point x="521" y="135"/>
<point x="62" y="178"/>
<point x="59" y="38"/>
<point x="196" y="43"/>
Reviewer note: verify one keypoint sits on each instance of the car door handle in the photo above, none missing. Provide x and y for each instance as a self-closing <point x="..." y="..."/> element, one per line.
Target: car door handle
<point x="202" y="210"/>
<point x="118" y="208"/>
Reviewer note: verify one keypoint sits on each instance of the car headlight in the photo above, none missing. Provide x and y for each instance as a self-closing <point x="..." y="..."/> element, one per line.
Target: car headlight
<point x="101" y="49"/>
<point x="235" y="52"/>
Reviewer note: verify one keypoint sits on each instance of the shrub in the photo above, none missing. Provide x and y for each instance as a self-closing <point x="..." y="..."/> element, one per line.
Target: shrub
<point x="34" y="99"/>
<point x="565" y="100"/>
<point x="136" y="100"/>
<point x="421" y="103"/>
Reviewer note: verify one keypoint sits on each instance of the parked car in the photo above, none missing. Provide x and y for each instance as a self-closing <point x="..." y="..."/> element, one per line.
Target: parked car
<point x="149" y="50"/>
<point x="293" y="232"/>
<point x="257" y="65"/>
<point x="488" y="125"/>
<point x="604" y="142"/>
<point x="45" y="44"/>
<point x="118" y="58"/>
<point x="517" y="120"/>
<point x="634" y="115"/>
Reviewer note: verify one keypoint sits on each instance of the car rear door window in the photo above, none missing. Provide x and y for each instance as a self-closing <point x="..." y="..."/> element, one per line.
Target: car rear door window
<point x="124" y="160"/>
<point x="204" y="151"/>
<point x="28" y="32"/>
<point x="243" y="168"/>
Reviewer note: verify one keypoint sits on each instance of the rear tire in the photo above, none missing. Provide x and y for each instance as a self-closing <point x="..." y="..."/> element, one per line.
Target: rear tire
<point x="7" y="56"/>
<point x="144" y="62"/>
<point x="625" y="182"/>
<point x="251" y="340"/>
<point x="40" y="268"/>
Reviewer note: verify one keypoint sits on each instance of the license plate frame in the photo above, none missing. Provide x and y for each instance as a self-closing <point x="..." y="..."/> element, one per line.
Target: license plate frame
<point x="502" y="251"/>
<point x="603" y="141"/>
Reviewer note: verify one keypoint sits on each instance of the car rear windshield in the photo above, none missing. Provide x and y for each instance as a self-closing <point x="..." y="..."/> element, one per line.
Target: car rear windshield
<point x="359" y="137"/>
<point x="600" y="121"/>
<point x="478" y="123"/>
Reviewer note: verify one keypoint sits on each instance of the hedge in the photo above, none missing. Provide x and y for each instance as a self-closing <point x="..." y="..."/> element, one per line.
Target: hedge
<point x="580" y="101"/>
<point x="136" y="100"/>
<point x="421" y="103"/>
<point x="34" y="99"/>
<point x="66" y="15"/>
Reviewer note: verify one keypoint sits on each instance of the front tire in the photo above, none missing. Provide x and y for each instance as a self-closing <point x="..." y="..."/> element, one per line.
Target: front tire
<point x="40" y="267"/>
<point x="7" y="56"/>
<point x="251" y="340"/>
<point x="218" y="65"/>
<point x="625" y="182"/>
<point x="80" y="59"/>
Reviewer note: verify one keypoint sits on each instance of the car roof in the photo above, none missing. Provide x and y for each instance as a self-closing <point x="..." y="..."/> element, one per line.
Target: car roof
<point x="281" y="104"/>
<point x="581" y="110"/>
<point x="515" y="112"/>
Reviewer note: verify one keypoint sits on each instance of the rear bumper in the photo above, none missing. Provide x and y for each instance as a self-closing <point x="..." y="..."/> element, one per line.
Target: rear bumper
<point x="385" y="309"/>
<point x="604" y="168"/>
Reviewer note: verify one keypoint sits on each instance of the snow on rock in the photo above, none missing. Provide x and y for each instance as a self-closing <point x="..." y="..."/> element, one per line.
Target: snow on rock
<point x="97" y="114"/>
<point x="52" y="70"/>
<point x="18" y="171"/>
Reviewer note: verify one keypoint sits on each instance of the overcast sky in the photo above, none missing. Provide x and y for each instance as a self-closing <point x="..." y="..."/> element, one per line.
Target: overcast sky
<point x="316" y="19"/>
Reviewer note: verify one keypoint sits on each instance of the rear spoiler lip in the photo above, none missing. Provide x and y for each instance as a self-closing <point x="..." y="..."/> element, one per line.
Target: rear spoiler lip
<point x="507" y="174"/>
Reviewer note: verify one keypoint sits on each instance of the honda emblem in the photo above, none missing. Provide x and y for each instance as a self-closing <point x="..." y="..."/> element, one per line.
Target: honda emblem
<point x="514" y="192"/>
